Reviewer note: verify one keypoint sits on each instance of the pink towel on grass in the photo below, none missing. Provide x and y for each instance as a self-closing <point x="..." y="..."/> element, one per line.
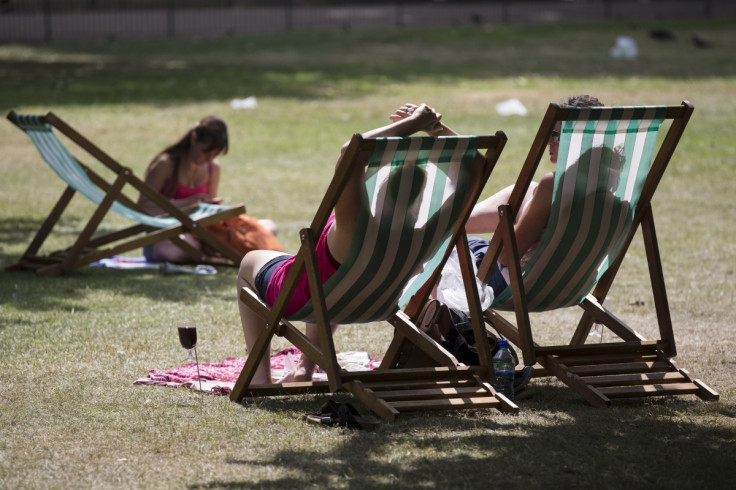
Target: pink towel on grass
<point x="218" y="378"/>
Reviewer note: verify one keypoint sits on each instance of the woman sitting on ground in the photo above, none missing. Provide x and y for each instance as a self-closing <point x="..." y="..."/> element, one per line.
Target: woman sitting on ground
<point x="188" y="173"/>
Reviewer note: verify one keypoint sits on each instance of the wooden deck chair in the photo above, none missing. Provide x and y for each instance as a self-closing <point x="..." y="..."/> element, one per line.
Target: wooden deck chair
<point x="108" y="195"/>
<point x="608" y="168"/>
<point x="398" y="245"/>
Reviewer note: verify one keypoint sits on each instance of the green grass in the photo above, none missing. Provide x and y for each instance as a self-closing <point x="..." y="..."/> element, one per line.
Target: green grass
<point x="71" y="347"/>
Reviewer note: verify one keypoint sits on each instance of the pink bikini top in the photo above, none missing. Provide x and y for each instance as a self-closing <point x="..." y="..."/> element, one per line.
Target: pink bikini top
<point x="182" y="191"/>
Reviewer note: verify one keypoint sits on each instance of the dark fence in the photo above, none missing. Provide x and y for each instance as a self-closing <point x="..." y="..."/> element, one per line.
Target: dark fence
<point x="49" y="20"/>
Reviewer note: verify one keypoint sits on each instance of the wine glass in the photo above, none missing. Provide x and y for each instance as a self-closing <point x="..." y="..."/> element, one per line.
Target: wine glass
<point x="188" y="339"/>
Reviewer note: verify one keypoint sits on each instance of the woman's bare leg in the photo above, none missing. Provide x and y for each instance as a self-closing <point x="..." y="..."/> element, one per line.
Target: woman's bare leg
<point x="167" y="251"/>
<point x="253" y="325"/>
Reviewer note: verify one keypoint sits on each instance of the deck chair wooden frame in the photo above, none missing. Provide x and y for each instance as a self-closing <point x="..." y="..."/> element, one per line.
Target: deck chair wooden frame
<point x="387" y="392"/>
<point x="108" y="194"/>
<point x="633" y="366"/>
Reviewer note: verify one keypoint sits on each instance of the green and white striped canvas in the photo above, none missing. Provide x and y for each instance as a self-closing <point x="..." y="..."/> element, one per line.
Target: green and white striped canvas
<point x="56" y="155"/>
<point x="415" y="190"/>
<point x="604" y="158"/>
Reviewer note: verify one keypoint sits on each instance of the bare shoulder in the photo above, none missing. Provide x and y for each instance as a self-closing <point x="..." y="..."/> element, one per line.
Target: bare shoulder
<point x="160" y="169"/>
<point x="162" y="165"/>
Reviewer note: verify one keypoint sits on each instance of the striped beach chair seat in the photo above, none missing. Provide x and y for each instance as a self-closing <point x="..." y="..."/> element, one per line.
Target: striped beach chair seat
<point x="108" y="195"/>
<point x="609" y="164"/>
<point x="418" y="194"/>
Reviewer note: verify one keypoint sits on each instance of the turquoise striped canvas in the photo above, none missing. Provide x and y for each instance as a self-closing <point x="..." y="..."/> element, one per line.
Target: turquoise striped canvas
<point x="604" y="158"/>
<point x="68" y="169"/>
<point x="415" y="190"/>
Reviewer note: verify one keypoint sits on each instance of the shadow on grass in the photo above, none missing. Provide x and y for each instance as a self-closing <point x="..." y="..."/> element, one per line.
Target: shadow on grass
<point x="664" y="444"/>
<point x="29" y="292"/>
<point x="326" y="64"/>
<point x="17" y="230"/>
<point x="26" y="291"/>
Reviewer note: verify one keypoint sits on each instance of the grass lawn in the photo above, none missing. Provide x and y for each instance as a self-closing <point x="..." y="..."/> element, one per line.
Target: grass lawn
<point x="71" y="347"/>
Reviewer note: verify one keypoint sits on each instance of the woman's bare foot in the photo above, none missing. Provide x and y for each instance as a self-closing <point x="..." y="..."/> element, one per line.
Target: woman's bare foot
<point x="303" y="372"/>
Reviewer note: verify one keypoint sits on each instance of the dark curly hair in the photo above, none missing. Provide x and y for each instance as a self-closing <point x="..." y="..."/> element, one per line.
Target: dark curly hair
<point x="582" y="100"/>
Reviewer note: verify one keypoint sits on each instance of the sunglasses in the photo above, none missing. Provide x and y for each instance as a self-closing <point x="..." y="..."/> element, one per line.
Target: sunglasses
<point x="555" y="137"/>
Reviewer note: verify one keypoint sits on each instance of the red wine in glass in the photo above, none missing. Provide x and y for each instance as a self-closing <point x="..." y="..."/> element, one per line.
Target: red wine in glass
<point x="188" y="338"/>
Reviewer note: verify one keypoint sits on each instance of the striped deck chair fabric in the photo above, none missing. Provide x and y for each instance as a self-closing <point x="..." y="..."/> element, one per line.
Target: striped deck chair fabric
<point x="57" y="156"/>
<point x="609" y="164"/>
<point x="603" y="161"/>
<point x="416" y="189"/>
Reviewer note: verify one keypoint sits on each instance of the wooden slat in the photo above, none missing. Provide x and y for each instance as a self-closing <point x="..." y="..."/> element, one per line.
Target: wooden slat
<point x="651" y="390"/>
<point x="413" y="374"/>
<point x="418" y="384"/>
<point x="634" y="379"/>
<point x="606" y="359"/>
<point x="431" y="393"/>
<point x="446" y="404"/>
<point x="590" y="349"/>
<point x="706" y="392"/>
<point x="633" y="367"/>
<point x="254" y="391"/>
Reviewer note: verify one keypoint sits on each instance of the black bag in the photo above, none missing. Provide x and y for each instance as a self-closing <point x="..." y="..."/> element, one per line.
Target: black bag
<point x="453" y="330"/>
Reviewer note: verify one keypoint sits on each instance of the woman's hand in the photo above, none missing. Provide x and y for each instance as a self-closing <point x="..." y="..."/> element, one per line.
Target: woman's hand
<point x="402" y="112"/>
<point x="409" y="119"/>
<point x="189" y="203"/>
<point x="426" y="118"/>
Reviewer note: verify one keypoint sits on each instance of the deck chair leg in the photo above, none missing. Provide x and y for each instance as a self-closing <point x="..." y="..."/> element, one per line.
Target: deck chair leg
<point x="329" y="359"/>
<point x="659" y="292"/>
<point x="72" y="258"/>
<point x="471" y="293"/>
<point x="46" y="227"/>
<point x="526" y="341"/>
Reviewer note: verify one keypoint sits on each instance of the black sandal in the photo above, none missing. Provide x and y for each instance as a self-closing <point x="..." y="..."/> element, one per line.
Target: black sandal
<point x="342" y="415"/>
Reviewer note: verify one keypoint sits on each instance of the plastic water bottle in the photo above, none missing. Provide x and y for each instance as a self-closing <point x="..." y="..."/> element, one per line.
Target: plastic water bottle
<point x="503" y="365"/>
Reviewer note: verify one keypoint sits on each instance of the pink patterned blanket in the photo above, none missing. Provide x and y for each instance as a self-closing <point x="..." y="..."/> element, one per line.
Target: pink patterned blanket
<point x="218" y="378"/>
